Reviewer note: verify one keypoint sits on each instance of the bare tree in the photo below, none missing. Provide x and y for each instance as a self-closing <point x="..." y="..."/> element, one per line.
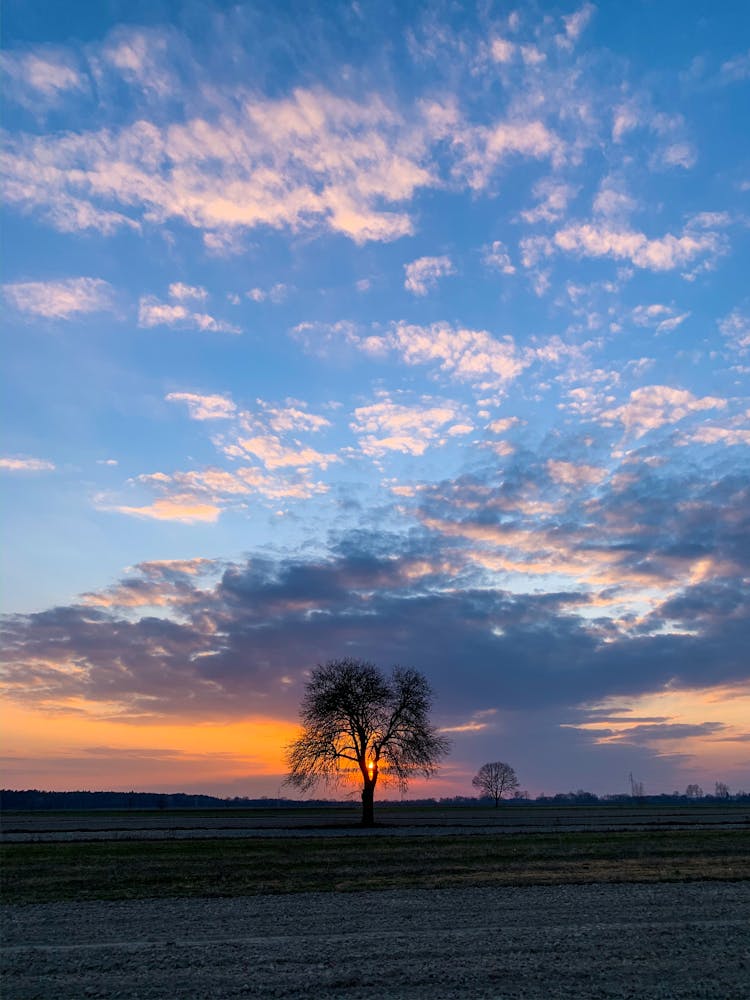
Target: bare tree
<point x="636" y="787"/>
<point x="495" y="779"/>
<point x="358" y="721"/>
<point x="694" y="792"/>
<point x="721" y="790"/>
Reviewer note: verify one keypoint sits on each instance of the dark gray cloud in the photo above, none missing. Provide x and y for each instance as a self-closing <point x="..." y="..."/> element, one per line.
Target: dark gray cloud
<point x="224" y="640"/>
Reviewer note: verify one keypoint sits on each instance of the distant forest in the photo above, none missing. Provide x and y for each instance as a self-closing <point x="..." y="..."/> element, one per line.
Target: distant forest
<point x="33" y="799"/>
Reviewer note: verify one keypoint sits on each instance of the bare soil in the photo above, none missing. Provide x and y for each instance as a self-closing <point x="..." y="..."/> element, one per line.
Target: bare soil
<point x="547" y="942"/>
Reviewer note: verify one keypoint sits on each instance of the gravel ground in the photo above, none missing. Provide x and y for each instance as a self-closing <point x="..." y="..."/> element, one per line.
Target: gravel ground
<point x="577" y="941"/>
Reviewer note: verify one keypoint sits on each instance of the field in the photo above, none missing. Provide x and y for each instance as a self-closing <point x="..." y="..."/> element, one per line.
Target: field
<point x="577" y="902"/>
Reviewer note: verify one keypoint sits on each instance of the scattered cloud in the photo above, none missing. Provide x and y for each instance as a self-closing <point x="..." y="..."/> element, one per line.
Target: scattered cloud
<point x="212" y="407"/>
<point x="44" y="75"/>
<point x="553" y="197"/>
<point x="26" y="464"/>
<point x="423" y="274"/>
<point x="152" y="312"/>
<point x="185" y="293"/>
<point x="276" y="293"/>
<point x="391" y="426"/>
<point x="496" y="258"/>
<point x="60" y="299"/>
<point x="660" y="254"/>
<point x="653" y="406"/>
<point x="735" y="328"/>
<point x="472" y="356"/>
<point x="182" y="508"/>
<point x="661" y="318"/>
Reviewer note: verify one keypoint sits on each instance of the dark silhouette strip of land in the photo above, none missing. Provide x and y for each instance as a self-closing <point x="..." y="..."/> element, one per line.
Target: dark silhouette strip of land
<point x="75" y="871"/>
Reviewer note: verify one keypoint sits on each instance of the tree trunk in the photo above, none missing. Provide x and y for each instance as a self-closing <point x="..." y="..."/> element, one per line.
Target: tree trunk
<point x="368" y="803"/>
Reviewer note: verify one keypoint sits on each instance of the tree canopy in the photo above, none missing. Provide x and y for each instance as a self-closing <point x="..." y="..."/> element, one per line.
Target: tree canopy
<point x="495" y="779"/>
<point x="358" y="721"/>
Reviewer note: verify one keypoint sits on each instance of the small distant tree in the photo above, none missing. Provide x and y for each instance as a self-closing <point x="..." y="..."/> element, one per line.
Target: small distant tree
<point x="495" y="779"/>
<point x="636" y="787"/>
<point x="694" y="792"/>
<point x="721" y="791"/>
<point x="356" y="721"/>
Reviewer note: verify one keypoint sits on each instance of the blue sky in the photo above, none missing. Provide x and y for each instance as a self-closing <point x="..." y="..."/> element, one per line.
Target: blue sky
<point x="420" y="334"/>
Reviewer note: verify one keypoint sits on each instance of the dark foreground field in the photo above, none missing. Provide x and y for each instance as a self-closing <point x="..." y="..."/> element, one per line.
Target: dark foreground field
<point x="308" y="905"/>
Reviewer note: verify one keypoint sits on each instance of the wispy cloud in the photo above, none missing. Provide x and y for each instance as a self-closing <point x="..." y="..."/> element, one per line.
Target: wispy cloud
<point x="60" y="299"/>
<point x="423" y="274"/>
<point x="183" y="293"/>
<point x="20" y="464"/>
<point x="180" y="507"/>
<point x="276" y="293"/>
<point x="152" y="312"/>
<point x="212" y="407"/>
<point x="496" y="258"/>
<point x="46" y="75"/>
<point x="662" y="318"/>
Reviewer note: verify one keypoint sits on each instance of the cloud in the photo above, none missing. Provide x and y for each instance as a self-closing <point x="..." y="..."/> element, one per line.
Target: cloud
<point x="276" y="455"/>
<point x="183" y="293"/>
<point x="294" y="416"/>
<point x="276" y="293"/>
<point x="653" y="406"/>
<point x="181" y="507"/>
<point x="139" y="57"/>
<point x="46" y="76"/>
<point x="736" y="69"/>
<point x="389" y="426"/>
<point x="575" y="474"/>
<point x="663" y="319"/>
<point x="553" y="197"/>
<point x="60" y="299"/>
<point x="269" y="434"/>
<point x="677" y="154"/>
<point x="472" y="356"/>
<point x="496" y="258"/>
<point x="502" y="50"/>
<point x="660" y="254"/>
<point x="152" y="312"/>
<point x="423" y="274"/>
<point x="226" y="643"/>
<point x="204" y="407"/>
<point x="26" y="465"/>
<point x="310" y="159"/>
<point x="627" y="117"/>
<point x="484" y="148"/>
<point x="575" y="25"/>
<point x="735" y="328"/>
<point x="712" y="435"/>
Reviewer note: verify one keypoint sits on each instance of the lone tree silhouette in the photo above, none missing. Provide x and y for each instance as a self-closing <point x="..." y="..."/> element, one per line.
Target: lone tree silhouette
<point x="355" y="718"/>
<point x="495" y="779"/>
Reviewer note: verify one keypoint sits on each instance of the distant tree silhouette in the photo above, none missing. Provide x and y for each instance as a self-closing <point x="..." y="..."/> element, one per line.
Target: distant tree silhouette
<point x="694" y="792"/>
<point x="495" y="779"/>
<point x="721" y="791"/>
<point x="355" y="719"/>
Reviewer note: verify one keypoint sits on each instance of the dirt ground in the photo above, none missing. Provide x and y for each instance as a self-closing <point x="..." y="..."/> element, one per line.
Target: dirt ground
<point x="575" y="941"/>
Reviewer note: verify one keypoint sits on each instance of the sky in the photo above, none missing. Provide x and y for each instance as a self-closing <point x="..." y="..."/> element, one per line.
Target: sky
<point x="418" y="333"/>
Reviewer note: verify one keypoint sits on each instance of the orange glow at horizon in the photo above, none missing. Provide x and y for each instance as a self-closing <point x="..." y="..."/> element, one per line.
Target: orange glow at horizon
<point x="69" y="747"/>
<point x="724" y="754"/>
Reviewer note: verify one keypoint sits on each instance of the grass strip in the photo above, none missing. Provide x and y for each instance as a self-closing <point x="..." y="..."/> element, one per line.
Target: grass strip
<point x="47" y="872"/>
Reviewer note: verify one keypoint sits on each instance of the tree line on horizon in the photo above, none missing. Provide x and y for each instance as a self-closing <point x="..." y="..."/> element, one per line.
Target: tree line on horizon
<point x="32" y="799"/>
